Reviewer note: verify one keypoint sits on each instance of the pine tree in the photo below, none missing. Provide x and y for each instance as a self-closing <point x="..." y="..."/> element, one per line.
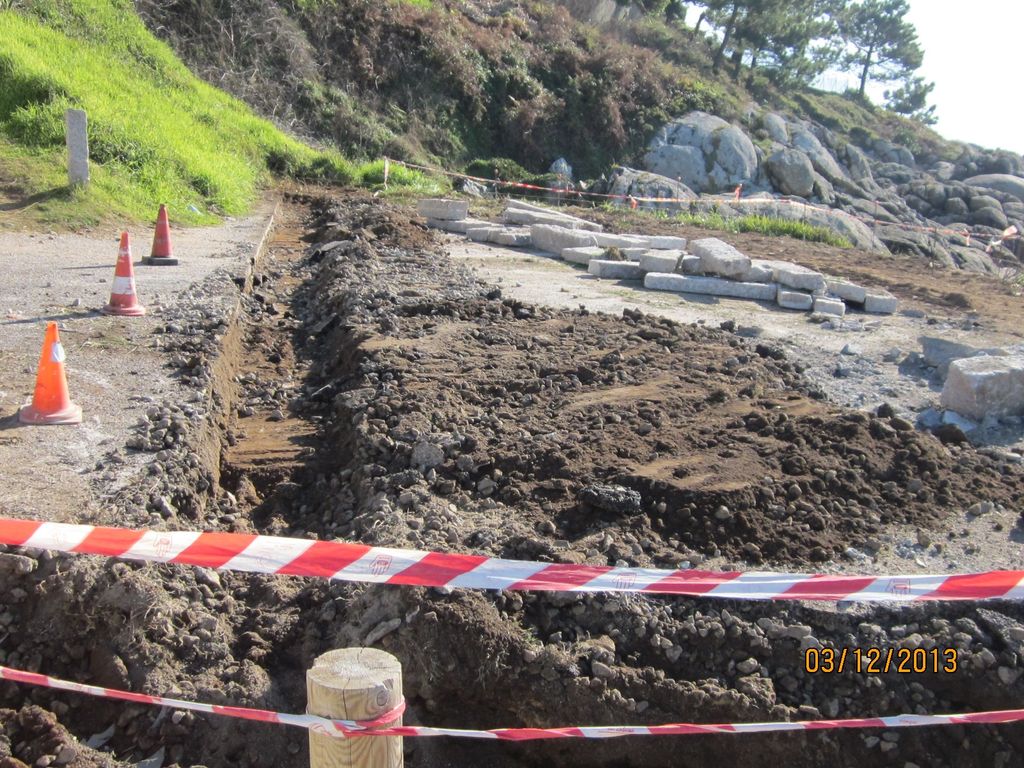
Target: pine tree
<point x="911" y="99"/>
<point x="879" y="42"/>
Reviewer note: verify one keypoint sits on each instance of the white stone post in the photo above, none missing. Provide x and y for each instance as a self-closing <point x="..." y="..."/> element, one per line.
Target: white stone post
<point x="78" y="147"/>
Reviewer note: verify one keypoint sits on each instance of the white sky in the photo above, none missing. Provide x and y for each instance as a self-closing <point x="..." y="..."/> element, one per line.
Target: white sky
<point x="972" y="52"/>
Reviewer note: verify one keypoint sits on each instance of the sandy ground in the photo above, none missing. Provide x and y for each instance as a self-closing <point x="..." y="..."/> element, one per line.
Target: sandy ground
<point x="114" y="365"/>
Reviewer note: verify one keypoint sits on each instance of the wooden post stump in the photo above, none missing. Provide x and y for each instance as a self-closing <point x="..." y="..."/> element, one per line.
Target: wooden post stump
<point x="354" y="684"/>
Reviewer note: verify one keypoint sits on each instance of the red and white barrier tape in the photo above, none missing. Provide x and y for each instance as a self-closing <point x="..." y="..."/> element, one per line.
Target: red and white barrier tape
<point x="344" y="561"/>
<point x="379" y="727"/>
<point x="732" y="200"/>
<point x="329" y="727"/>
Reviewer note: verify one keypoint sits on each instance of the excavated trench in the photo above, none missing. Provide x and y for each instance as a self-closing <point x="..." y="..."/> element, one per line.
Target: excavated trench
<point x="397" y="349"/>
<point x="370" y="390"/>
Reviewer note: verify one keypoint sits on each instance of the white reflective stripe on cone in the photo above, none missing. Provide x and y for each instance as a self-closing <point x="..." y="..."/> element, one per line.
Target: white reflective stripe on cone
<point x="123" y="286"/>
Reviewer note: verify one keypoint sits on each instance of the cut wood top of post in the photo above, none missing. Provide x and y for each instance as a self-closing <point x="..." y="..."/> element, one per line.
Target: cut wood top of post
<point x="365" y="681"/>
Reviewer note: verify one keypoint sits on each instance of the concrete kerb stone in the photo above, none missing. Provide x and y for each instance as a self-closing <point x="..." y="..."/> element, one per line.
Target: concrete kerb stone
<point x="660" y="261"/>
<point x="845" y="290"/>
<point x="759" y="272"/>
<point x="555" y="239"/>
<point x="709" y="286"/>
<point x="666" y="242"/>
<point x="520" y="216"/>
<point x="510" y="236"/>
<point x="582" y="255"/>
<point x="985" y="386"/>
<point x="581" y="223"/>
<point x="719" y="258"/>
<point x="615" y="270"/>
<point x="621" y="241"/>
<point x="826" y="306"/>
<point x="689" y="264"/>
<point x="458" y="226"/>
<point x="790" y="299"/>
<point x="447" y="210"/>
<point x="881" y="303"/>
<point x="480" y="234"/>
<point x="516" y="237"/>
<point x="801" y="278"/>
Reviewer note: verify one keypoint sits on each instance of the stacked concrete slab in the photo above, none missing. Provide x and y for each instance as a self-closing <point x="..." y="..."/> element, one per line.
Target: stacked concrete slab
<point x="459" y="226"/>
<point x="517" y="212"/>
<point x="719" y="258"/>
<point x="443" y="210"/>
<point x="660" y="261"/>
<point x="789" y="299"/>
<point x="555" y="239"/>
<point x="516" y="237"/>
<point x="710" y="286"/>
<point x="453" y="216"/>
<point x="615" y="270"/>
<point x="717" y="269"/>
<point x="711" y="267"/>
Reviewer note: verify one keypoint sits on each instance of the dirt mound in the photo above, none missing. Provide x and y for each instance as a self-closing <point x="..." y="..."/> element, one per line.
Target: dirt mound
<point x="41" y="740"/>
<point x="370" y="390"/>
<point x="523" y="407"/>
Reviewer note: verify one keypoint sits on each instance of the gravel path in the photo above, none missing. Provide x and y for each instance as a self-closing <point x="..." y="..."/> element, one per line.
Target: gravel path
<point x="114" y="366"/>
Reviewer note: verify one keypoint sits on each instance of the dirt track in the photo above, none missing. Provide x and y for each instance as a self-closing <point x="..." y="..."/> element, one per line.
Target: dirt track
<point x="346" y="362"/>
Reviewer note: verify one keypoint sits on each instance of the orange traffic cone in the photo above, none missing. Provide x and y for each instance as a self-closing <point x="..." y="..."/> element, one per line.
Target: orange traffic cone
<point x="51" y="403"/>
<point x="122" y="294"/>
<point x="162" y="253"/>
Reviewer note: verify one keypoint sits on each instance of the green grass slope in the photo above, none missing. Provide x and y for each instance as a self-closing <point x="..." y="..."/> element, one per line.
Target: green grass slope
<point x="156" y="132"/>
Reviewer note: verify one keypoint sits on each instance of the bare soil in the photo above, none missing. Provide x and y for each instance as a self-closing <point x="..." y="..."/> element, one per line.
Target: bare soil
<point x="345" y="366"/>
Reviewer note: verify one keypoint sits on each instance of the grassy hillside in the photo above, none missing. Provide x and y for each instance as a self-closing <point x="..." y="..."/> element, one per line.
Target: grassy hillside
<point x="454" y="81"/>
<point x="156" y="132"/>
<point x="437" y="80"/>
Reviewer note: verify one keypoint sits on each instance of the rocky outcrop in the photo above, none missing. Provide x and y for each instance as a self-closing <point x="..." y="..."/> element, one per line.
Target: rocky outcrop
<point x="917" y="206"/>
<point x="791" y="172"/>
<point x="1001" y="182"/>
<point x="822" y="160"/>
<point x="703" y="152"/>
<point x="843" y="224"/>
<point x="602" y="11"/>
<point x="630" y="182"/>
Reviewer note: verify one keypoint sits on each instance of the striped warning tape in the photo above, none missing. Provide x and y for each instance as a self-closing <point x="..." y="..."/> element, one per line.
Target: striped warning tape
<point x="379" y="727"/>
<point x="323" y="725"/>
<point x="343" y="561"/>
<point x="1009" y="234"/>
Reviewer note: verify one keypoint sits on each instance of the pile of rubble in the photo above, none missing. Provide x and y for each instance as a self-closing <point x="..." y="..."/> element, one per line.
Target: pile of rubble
<point x="707" y="267"/>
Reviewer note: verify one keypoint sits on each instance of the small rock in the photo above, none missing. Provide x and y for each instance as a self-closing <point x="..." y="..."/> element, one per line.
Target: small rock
<point x="981" y="508"/>
<point x="747" y="666"/>
<point x="611" y="498"/>
<point x="427" y="455"/>
<point x="382" y="630"/>
<point x="209" y="577"/>
<point x="1008" y="675"/>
